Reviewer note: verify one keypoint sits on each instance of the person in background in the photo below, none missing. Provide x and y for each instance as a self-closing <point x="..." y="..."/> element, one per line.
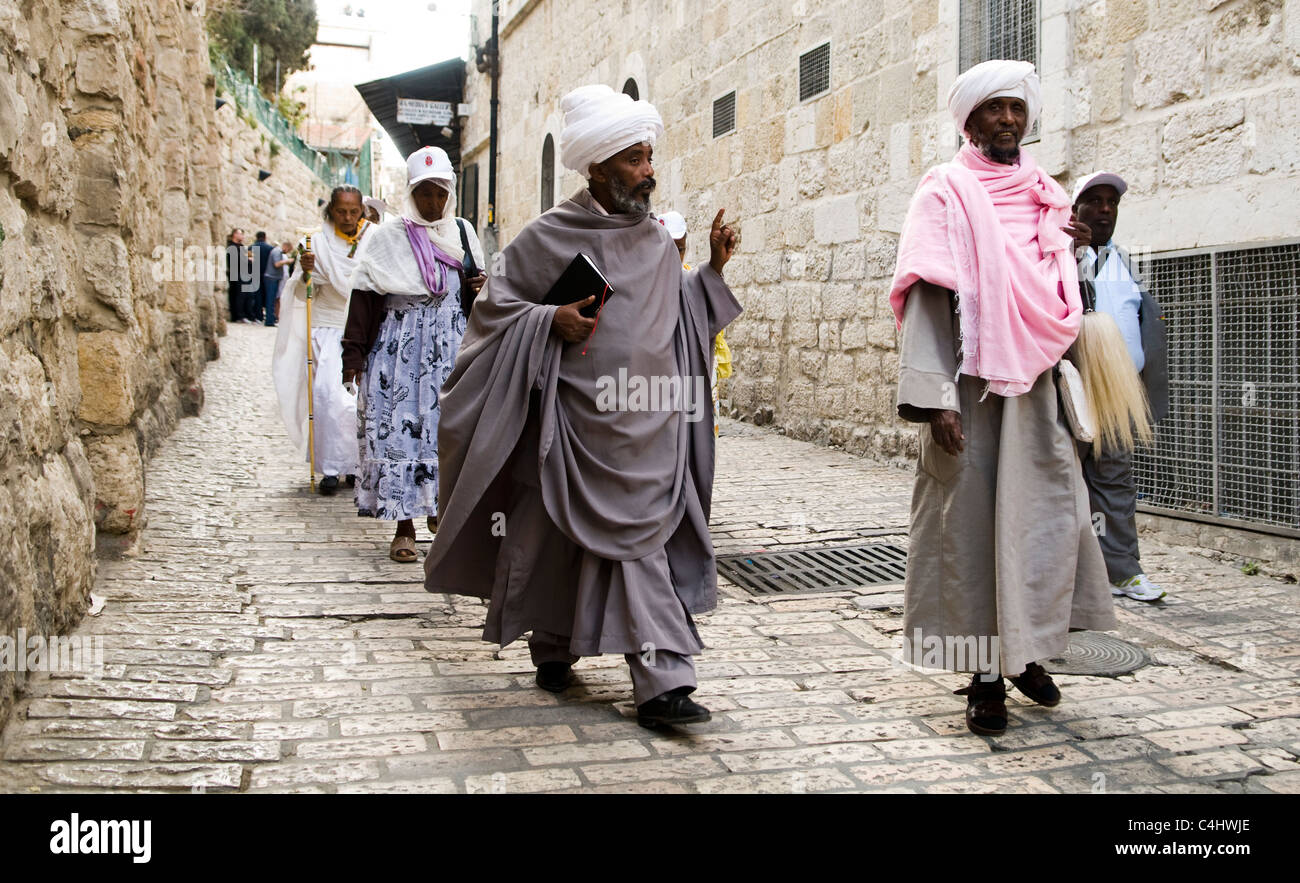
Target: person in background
<point x="720" y="367"/>
<point x="376" y="208"/>
<point x="239" y="275"/>
<point x="405" y="321"/>
<point x="1108" y="270"/>
<point x="331" y="263"/>
<point x="261" y="268"/>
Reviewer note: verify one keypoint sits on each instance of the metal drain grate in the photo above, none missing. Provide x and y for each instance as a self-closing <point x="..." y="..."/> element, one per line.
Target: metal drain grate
<point x="1094" y="653"/>
<point x="825" y="569"/>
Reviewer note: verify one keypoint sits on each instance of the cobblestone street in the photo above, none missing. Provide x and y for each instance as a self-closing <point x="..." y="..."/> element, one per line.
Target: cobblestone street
<point x="261" y="640"/>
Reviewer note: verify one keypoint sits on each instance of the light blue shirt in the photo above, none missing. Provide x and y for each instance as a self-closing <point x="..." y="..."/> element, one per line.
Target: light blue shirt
<point x="1119" y="295"/>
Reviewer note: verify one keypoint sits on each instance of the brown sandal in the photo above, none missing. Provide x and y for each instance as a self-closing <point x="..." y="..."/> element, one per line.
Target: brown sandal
<point x="432" y="524"/>
<point x="402" y="550"/>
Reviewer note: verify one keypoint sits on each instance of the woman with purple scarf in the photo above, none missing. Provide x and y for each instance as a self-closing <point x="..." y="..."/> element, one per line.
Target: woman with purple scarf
<point x="415" y="276"/>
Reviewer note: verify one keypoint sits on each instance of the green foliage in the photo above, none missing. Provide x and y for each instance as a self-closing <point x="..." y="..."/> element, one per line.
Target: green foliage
<point x="2" y="234"/>
<point x="293" y="111"/>
<point x="1250" y="568"/>
<point x="275" y="149"/>
<point x="283" y="30"/>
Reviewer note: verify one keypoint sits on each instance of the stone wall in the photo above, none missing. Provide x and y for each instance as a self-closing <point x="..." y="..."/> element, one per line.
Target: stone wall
<point x="113" y="161"/>
<point x="1193" y="101"/>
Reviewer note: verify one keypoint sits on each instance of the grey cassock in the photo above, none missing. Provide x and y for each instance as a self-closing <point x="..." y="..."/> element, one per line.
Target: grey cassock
<point x="586" y="525"/>
<point x="1001" y="540"/>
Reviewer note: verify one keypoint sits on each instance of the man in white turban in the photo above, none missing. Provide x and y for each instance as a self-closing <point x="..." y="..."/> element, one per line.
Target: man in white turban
<point x="1002" y="561"/>
<point x="575" y="502"/>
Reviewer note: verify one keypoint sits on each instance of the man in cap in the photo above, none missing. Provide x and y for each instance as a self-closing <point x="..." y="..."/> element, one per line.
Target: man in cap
<point x="581" y="512"/>
<point x="376" y="208"/>
<point x="1106" y="272"/>
<point x="1002" y="559"/>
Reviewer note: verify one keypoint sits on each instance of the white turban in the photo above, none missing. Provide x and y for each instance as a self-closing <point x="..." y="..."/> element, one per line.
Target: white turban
<point x="995" y="79"/>
<point x="599" y="122"/>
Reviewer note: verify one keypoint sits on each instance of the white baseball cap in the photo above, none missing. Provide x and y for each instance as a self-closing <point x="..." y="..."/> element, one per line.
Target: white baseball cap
<point x="674" y="223"/>
<point x="1099" y="178"/>
<point x="429" y="162"/>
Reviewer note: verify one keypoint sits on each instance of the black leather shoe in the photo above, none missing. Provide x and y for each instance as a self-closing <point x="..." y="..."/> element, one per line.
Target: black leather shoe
<point x="986" y="706"/>
<point x="352" y="481"/>
<point x="329" y="485"/>
<point x="672" y="708"/>
<point x="554" y="676"/>
<point x="1038" y="685"/>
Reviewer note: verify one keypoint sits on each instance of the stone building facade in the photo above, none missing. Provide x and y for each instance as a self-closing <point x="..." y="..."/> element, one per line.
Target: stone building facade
<point x="113" y="162"/>
<point x="1193" y="101"/>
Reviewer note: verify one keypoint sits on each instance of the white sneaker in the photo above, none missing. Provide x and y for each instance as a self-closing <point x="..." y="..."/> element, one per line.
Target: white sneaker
<point x="1139" y="588"/>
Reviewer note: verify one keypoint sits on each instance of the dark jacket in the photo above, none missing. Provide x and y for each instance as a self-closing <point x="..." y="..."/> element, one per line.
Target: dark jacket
<point x="262" y="266"/>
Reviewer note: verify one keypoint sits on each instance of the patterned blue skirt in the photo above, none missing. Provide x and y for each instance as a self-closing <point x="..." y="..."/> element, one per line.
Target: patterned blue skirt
<point x="397" y="409"/>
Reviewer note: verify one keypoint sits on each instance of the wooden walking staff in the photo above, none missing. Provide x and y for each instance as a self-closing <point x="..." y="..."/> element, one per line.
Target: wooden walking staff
<point x="311" y="415"/>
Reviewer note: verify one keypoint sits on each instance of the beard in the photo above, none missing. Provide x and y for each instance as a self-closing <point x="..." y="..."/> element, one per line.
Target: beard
<point x="1005" y="155"/>
<point x="631" y="200"/>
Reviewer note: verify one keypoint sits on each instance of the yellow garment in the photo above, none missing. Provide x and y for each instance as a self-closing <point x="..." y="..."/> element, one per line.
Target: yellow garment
<point x="354" y="238"/>
<point x="722" y="356"/>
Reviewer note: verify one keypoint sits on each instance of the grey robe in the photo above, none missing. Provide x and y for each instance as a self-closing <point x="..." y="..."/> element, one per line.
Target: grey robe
<point x="1001" y="540"/>
<point x="519" y="416"/>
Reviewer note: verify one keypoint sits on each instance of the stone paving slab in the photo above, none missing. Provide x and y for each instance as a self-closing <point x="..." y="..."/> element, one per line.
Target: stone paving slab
<point x="261" y="640"/>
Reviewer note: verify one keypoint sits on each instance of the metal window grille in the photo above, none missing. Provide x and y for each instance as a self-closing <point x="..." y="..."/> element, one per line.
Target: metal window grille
<point x="999" y="29"/>
<point x="1229" y="450"/>
<point x="815" y="72"/>
<point x="724" y="114"/>
<point x="548" y="173"/>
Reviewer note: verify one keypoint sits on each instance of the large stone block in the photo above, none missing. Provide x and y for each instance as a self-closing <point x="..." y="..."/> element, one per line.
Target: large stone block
<point x="1125" y="20"/>
<point x="119" y="482"/>
<point x="26" y="408"/>
<point x="99" y="183"/>
<point x="1273" y="119"/>
<point x="94" y="17"/>
<point x="1246" y="44"/>
<point x="106" y="270"/>
<point x="1169" y="65"/>
<point x="1133" y="152"/>
<point x="1204" y="146"/>
<point x="107" y="360"/>
<point x="101" y="69"/>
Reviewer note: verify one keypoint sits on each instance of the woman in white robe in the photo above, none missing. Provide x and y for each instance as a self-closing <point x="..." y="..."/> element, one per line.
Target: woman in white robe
<point x="331" y="263"/>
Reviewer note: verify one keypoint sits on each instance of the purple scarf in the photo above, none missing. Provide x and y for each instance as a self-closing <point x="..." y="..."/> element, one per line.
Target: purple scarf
<point x="432" y="261"/>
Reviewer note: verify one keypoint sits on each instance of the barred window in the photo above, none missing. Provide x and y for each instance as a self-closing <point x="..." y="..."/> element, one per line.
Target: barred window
<point x="724" y="115"/>
<point x="1229" y="450"/>
<point x="815" y="72"/>
<point x="992" y="29"/>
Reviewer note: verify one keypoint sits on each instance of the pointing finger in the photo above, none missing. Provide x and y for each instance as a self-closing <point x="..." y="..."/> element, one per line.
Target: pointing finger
<point x="717" y="221"/>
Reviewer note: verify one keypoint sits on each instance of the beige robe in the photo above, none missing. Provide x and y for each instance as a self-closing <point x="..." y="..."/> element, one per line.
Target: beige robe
<point x="1001" y="538"/>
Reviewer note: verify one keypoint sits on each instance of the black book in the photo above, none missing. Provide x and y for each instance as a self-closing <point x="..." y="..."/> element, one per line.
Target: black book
<point x="580" y="280"/>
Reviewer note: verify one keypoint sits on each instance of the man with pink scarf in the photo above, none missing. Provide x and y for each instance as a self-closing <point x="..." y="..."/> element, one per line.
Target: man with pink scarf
<point x="1003" y="561"/>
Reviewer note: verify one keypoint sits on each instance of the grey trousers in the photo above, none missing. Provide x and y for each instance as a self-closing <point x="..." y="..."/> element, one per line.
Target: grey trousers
<point x="654" y="672"/>
<point x="1112" y="495"/>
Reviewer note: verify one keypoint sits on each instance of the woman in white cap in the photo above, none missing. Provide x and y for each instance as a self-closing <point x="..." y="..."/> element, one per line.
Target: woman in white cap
<point x="415" y="281"/>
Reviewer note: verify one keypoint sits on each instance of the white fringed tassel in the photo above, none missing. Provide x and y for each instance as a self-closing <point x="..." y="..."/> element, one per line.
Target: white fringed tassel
<point x="1112" y="386"/>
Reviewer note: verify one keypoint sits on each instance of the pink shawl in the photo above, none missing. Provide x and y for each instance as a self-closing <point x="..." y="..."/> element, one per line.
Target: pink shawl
<point x="992" y="233"/>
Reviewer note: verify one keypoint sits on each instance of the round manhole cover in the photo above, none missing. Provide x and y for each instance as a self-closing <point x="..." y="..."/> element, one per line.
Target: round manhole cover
<point x="1095" y="653"/>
